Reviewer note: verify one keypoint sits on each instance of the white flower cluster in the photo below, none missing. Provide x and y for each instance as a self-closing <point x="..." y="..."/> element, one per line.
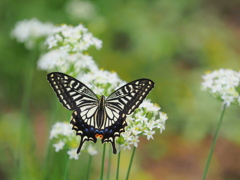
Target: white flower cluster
<point x="144" y="121"/>
<point x="65" y="137"/>
<point x="62" y="61"/>
<point x="223" y="84"/>
<point x="102" y="82"/>
<point x="72" y="39"/>
<point x="30" y="31"/>
<point x="66" y="51"/>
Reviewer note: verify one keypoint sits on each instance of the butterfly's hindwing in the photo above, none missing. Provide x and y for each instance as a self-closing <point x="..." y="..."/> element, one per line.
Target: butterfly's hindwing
<point x="89" y="132"/>
<point x="83" y="129"/>
<point x="115" y="130"/>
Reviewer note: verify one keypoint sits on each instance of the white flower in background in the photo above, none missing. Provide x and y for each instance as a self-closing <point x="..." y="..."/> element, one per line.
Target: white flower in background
<point x="72" y="39"/>
<point x="64" y="136"/>
<point x="59" y="146"/>
<point x="66" y="45"/>
<point x="73" y="153"/>
<point x="92" y="150"/>
<point x="29" y="31"/>
<point x="62" y="61"/>
<point x="81" y="10"/>
<point x="61" y="129"/>
<point x="102" y="82"/>
<point x="223" y="84"/>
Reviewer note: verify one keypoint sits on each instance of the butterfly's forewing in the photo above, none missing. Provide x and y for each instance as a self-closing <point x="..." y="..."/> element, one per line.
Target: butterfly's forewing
<point x="128" y="97"/>
<point x="71" y="92"/>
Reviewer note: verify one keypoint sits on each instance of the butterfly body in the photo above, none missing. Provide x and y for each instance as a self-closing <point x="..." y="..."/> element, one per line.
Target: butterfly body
<point x="94" y="117"/>
<point x="101" y="112"/>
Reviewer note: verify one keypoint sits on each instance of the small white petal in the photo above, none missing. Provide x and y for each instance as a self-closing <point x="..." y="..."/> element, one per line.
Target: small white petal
<point x="73" y="154"/>
<point x="92" y="150"/>
<point x="58" y="146"/>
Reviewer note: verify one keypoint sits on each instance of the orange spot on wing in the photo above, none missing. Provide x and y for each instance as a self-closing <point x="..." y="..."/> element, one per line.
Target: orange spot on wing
<point x="99" y="136"/>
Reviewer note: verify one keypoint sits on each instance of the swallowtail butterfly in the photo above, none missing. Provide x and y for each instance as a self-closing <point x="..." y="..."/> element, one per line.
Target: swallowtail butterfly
<point x="95" y="117"/>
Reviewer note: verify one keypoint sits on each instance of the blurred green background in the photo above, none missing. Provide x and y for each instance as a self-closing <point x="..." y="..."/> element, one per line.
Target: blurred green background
<point x="171" y="42"/>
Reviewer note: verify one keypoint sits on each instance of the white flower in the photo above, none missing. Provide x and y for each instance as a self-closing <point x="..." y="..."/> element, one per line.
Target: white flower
<point x="60" y="60"/>
<point x="61" y="129"/>
<point x="84" y="10"/>
<point x="222" y="84"/>
<point x="73" y="154"/>
<point x="135" y="130"/>
<point x="29" y="31"/>
<point x="72" y="39"/>
<point x="103" y="77"/>
<point x="162" y="128"/>
<point x="130" y="119"/>
<point x="67" y="130"/>
<point x="149" y="134"/>
<point x="149" y="106"/>
<point x="56" y="130"/>
<point x="126" y="135"/>
<point x="152" y="124"/>
<point x="53" y="41"/>
<point x="163" y="116"/>
<point x="92" y="150"/>
<point x="52" y="60"/>
<point x="134" y="140"/>
<point x="126" y="145"/>
<point x="101" y="82"/>
<point x="58" y="146"/>
<point x="140" y="117"/>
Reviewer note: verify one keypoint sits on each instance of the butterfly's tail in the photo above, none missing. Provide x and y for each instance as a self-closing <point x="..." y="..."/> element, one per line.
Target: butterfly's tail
<point x="80" y="146"/>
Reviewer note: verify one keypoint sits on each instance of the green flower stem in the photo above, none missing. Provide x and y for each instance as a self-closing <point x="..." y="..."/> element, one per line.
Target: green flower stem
<point x="213" y="144"/>
<point x="24" y="138"/>
<point x="130" y="164"/>
<point x="103" y="158"/>
<point x="66" y="169"/>
<point x="49" y="149"/>
<point x="109" y="163"/>
<point x="118" y="164"/>
<point x="89" y="166"/>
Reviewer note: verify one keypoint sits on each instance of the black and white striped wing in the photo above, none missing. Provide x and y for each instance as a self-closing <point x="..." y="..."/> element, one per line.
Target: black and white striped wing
<point x="123" y="102"/>
<point x="74" y="95"/>
<point x="71" y="92"/>
<point x="128" y="97"/>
